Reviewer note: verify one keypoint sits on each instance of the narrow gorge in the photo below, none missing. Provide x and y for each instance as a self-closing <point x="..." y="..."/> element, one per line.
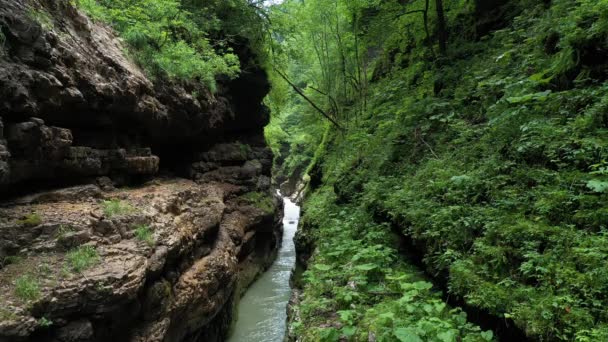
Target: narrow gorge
<point x="303" y="170"/>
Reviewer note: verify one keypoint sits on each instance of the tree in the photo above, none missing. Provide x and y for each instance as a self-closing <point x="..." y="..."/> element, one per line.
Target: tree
<point x="442" y="33"/>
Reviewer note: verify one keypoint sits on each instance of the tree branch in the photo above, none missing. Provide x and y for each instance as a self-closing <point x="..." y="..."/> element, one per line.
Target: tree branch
<point x="301" y="93"/>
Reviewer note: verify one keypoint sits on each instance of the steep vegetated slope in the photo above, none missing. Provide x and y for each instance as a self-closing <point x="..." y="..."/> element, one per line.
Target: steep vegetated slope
<point x="488" y="159"/>
<point x="134" y="175"/>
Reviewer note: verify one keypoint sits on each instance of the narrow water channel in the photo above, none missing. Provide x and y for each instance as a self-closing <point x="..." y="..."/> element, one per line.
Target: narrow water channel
<point x="262" y="312"/>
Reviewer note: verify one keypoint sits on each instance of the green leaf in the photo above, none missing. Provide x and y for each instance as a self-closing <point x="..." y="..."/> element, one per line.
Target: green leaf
<point x="329" y="335"/>
<point x="406" y="335"/>
<point x="366" y="267"/>
<point x="542" y="96"/>
<point x="597" y="186"/>
<point x="349" y="331"/>
<point x="447" y="336"/>
<point x="322" y="267"/>
<point x="487" y="335"/>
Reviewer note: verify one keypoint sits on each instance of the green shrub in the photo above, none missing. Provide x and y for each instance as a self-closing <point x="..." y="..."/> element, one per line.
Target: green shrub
<point x="357" y="281"/>
<point x="27" y="288"/>
<point x="91" y="8"/>
<point x="166" y="39"/>
<point x="144" y="233"/>
<point x="116" y="207"/>
<point x="82" y="258"/>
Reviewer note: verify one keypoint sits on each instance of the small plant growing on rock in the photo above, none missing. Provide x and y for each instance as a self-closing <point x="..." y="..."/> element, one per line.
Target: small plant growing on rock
<point x="6" y="315"/>
<point x="45" y="322"/>
<point x="27" y="288"/>
<point x="81" y="258"/>
<point x="10" y="260"/>
<point x="30" y="220"/>
<point x="42" y="18"/>
<point x="116" y="207"/>
<point x="260" y="200"/>
<point x="63" y="231"/>
<point x="144" y="233"/>
<point x="244" y="149"/>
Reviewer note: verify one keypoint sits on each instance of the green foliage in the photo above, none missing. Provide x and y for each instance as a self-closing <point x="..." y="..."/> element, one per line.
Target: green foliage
<point x="45" y="322"/>
<point x="491" y="160"/>
<point x="30" y="220"/>
<point x="167" y="39"/>
<point x="10" y="260"/>
<point x="40" y="16"/>
<point x="356" y="273"/>
<point x="82" y="258"/>
<point x="93" y="9"/>
<point x="116" y="207"/>
<point x="63" y="231"/>
<point x="145" y="234"/>
<point x="27" y="288"/>
<point x="262" y="201"/>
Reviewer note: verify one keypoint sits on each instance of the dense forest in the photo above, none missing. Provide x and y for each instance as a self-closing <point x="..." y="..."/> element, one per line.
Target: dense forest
<point x="450" y="157"/>
<point x="473" y="132"/>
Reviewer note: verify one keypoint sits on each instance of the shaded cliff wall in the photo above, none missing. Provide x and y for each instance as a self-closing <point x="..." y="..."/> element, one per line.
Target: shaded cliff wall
<point x="73" y="106"/>
<point x="168" y="256"/>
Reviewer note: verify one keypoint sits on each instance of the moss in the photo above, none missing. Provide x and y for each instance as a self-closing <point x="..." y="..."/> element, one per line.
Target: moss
<point x="43" y="18"/>
<point x="30" y="220"/>
<point x="261" y="201"/>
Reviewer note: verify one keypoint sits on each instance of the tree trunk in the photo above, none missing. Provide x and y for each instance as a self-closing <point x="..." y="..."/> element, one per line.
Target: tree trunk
<point x="441" y="27"/>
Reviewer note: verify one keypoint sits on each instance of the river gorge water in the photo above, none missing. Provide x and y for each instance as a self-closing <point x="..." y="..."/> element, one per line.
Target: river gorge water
<point x="262" y="312"/>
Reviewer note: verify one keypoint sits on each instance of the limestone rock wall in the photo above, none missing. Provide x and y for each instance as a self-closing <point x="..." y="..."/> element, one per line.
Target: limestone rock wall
<point x="84" y="258"/>
<point x="73" y="104"/>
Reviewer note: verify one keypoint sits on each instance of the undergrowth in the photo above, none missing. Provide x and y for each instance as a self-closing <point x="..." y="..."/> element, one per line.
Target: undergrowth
<point x="493" y="161"/>
<point x="357" y="287"/>
<point x="170" y="38"/>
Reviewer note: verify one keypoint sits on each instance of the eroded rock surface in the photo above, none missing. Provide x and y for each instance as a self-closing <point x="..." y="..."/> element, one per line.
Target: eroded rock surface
<point x="73" y="107"/>
<point x="162" y="287"/>
<point x="84" y="258"/>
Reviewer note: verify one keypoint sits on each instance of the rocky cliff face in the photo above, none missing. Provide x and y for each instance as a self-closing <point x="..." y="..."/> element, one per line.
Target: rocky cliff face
<point x="82" y="259"/>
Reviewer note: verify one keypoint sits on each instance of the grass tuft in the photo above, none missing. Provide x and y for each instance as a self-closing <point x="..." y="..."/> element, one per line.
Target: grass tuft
<point x="27" y="288"/>
<point x="144" y="233"/>
<point x="116" y="207"/>
<point x="81" y="258"/>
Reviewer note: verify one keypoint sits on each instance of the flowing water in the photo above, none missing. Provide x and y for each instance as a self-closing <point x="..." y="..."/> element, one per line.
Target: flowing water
<point x="262" y="312"/>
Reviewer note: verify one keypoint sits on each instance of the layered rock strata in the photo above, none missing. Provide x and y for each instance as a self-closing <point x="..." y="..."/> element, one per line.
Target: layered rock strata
<point x="84" y="258"/>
